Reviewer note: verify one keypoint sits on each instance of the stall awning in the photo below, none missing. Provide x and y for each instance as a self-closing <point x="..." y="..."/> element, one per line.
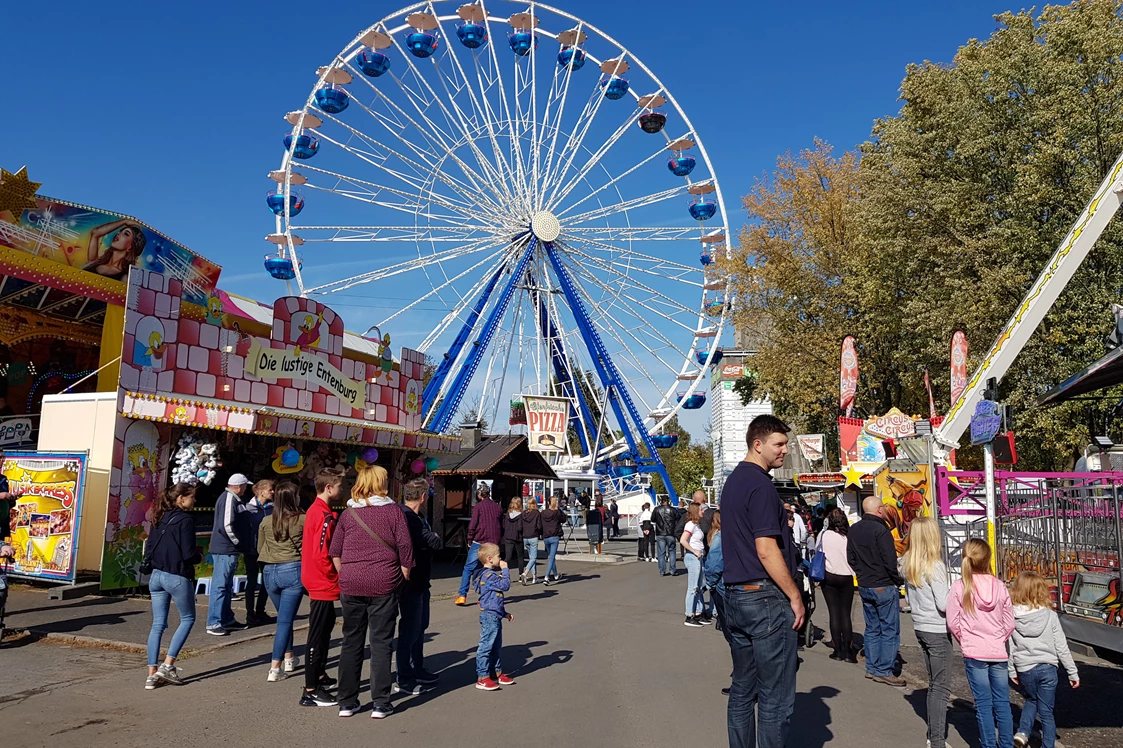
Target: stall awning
<point x="280" y="422"/>
<point x="507" y="455"/>
<point x="1106" y="372"/>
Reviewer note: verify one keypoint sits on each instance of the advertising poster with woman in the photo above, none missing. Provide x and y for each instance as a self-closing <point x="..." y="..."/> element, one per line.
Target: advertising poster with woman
<point x="46" y="500"/>
<point x="107" y="244"/>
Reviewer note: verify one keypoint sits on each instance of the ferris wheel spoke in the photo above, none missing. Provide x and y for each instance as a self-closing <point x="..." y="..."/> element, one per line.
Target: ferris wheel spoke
<point x="407" y="266"/>
<point x="624" y="206"/>
<point x="436" y="291"/>
<point x="634" y="233"/>
<point x="622" y="280"/>
<point x="615" y="180"/>
<point x="435" y="133"/>
<point x="557" y="126"/>
<point x="573" y="144"/>
<point x="427" y="169"/>
<point x="483" y="112"/>
<point x="564" y="187"/>
<point x="456" y="314"/>
<point x="413" y="206"/>
<point x="623" y="259"/>
<point x="394" y="233"/>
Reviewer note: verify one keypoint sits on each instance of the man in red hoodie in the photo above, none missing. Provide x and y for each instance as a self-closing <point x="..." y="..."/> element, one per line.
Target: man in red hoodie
<point x="320" y="578"/>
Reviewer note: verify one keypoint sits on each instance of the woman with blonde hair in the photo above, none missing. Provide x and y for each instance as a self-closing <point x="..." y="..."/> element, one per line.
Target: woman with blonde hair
<point x="553" y="524"/>
<point x="981" y="618"/>
<point x="692" y="540"/>
<point x="926" y="587"/>
<point x="373" y="552"/>
<point x="511" y="525"/>
<point x="531" y="532"/>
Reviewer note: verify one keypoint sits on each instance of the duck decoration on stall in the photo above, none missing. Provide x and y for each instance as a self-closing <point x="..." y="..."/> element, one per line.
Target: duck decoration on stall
<point x="308" y="335"/>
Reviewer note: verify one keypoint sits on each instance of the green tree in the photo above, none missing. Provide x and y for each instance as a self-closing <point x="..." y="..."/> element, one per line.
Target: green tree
<point x="687" y="463"/>
<point x="941" y="221"/>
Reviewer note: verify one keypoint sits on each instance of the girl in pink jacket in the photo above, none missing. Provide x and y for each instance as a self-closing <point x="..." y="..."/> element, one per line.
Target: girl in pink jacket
<point x="981" y="619"/>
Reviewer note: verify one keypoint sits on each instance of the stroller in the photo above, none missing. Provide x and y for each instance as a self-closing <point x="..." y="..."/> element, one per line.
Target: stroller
<point x="807" y="588"/>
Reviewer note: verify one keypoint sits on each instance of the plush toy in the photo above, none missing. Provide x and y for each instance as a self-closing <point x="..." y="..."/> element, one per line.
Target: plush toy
<point x="196" y="461"/>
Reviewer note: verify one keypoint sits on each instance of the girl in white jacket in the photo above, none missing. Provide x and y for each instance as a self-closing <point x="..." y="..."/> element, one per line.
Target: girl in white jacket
<point x="1036" y="647"/>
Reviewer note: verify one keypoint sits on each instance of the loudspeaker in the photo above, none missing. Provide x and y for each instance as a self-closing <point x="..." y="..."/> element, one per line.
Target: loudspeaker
<point x="1005" y="453"/>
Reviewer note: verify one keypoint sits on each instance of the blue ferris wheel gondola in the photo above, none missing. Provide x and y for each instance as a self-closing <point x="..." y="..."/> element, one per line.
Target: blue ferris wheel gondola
<point x="573" y="57"/>
<point x="693" y="402"/>
<point x="615" y="87"/>
<point x="701" y="355"/>
<point x="522" y="42"/>
<point x="702" y="211"/>
<point x="280" y="267"/>
<point x="472" y="35"/>
<point x="652" y="122"/>
<point x="276" y="203"/>
<point x="373" y="63"/>
<point x="422" y="44"/>
<point x="332" y="100"/>
<point x="706" y="257"/>
<point x="306" y="146"/>
<point x="664" y="441"/>
<point x="681" y="166"/>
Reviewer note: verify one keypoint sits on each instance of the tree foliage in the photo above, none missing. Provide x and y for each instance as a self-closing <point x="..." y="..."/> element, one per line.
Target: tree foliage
<point x="687" y="463"/>
<point x="941" y="221"/>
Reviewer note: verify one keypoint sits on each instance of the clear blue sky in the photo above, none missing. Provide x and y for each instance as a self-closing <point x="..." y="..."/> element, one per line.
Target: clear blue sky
<point x="171" y="112"/>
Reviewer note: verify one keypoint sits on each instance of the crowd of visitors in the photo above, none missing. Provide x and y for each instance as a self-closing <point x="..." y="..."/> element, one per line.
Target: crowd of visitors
<point x="742" y="573"/>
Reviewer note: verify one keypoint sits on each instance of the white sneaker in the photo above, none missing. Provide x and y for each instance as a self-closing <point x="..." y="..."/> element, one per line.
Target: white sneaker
<point x="276" y="674"/>
<point x="1021" y="740"/>
<point x="290" y="665"/>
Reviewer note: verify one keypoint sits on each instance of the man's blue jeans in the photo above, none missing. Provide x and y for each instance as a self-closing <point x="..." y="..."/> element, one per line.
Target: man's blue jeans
<point x="413" y="603"/>
<point x="551" y="556"/>
<point x="222" y="588"/>
<point x="990" y="686"/>
<point x="165" y="588"/>
<point x="1040" y="684"/>
<point x="282" y="582"/>
<point x="470" y="565"/>
<point x="665" y="552"/>
<point x="883" y="628"/>
<point x="491" y="643"/>
<point x="763" y="644"/>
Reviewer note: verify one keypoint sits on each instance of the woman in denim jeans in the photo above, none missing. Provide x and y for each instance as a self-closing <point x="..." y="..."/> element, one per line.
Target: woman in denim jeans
<point x="926" y="588"/>
<point x="278" y="547"/>
<point x="553" y="524"/>
<point x="171" y="552"/>
<point x="531" y="533"/>
<point x="692" y="543"/>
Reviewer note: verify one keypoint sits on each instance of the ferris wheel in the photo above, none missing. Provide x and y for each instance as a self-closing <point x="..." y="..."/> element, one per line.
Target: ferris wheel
<point x="525" y="186"/>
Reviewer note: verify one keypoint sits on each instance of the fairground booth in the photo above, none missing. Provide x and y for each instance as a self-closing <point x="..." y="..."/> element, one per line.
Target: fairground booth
<point x="163" y="377"/>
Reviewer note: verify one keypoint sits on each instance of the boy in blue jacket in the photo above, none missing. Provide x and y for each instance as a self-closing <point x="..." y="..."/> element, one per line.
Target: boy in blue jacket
<point x="491" y="583"/>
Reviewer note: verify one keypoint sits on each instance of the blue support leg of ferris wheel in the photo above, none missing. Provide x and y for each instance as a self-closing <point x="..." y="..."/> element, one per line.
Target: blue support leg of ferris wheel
<point x="434" y="386"/>
<point x="451" y="402"/>
<point x="610" y="376"/>
<point x="565" y="377"/>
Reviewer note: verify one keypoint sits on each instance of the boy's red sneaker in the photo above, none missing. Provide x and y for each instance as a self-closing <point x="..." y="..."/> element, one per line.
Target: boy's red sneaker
<point x="487" y="684"/>
<point x="505" y="680"/>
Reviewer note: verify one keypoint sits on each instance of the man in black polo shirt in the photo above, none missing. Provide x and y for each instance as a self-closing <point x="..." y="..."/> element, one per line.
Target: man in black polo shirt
<point x="764" y="608"/>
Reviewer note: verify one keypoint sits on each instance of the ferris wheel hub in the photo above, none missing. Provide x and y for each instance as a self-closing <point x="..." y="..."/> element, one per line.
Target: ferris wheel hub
<point x="545" y="226"/>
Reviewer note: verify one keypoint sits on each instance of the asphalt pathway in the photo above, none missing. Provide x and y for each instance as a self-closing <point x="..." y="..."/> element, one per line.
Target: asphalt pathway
<point x="601" y="660"/>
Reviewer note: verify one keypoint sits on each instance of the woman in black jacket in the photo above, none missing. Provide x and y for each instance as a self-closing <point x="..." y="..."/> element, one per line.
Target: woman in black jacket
<point x="511" y="525"/>
<point x="171" y="553"/>
<point x="553" y="522"/>
<point x="531" y="533"/>
<point x="594" y="526"/>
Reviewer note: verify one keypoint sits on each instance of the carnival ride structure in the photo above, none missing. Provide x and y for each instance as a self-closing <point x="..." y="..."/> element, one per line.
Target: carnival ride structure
<point x="561" y="214"/>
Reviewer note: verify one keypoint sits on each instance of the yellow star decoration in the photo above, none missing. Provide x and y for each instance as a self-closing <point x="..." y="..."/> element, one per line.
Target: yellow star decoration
<point x="17" y="192"/>
<point x="853" y="475"/>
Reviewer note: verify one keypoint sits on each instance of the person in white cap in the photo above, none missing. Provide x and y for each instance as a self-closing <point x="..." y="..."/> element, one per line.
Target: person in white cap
<point x="230" y="537"/>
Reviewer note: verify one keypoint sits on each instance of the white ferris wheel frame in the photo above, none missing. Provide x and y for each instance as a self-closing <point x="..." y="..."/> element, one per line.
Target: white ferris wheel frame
<point x="708" y="329"/>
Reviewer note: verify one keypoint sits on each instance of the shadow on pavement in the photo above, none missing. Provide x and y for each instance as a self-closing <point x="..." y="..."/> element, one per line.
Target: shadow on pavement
<point x="73" y="625"/>
<point x="961" y="715"/>
<point x="810" y="724"/>
<point x="67" y="606"/>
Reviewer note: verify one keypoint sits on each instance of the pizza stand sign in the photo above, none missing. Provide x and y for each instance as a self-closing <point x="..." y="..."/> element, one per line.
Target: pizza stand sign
<point x="547" y="419"/>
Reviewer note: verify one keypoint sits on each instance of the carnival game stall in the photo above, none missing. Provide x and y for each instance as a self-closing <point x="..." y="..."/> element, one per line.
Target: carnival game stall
<point x="228" y="388"/>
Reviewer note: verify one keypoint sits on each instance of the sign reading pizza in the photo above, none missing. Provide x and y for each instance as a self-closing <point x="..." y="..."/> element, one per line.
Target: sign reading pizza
<point x="547" y="419"/>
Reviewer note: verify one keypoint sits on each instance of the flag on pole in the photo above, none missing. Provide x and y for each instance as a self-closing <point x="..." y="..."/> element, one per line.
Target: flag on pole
<point x="958" y="365"/>
<point x="848" y="378"/>
<point x="931" y="400"/>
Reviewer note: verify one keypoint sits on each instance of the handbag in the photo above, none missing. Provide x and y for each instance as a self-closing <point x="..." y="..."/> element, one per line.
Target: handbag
<point x="818" y="570"/>
<point x="146" y="561"/>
